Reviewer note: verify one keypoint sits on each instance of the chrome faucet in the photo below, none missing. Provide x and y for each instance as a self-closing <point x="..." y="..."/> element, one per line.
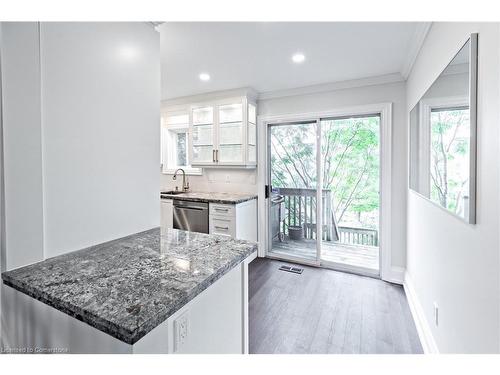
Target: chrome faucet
<point x="185" y="185"/>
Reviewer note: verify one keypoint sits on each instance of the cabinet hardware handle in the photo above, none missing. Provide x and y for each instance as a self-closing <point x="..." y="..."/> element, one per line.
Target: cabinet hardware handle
<point x="217" y="156"/>
<point x="221" y="209"/>
<point x="213" y="156"/>
<point x="225" y="228"/>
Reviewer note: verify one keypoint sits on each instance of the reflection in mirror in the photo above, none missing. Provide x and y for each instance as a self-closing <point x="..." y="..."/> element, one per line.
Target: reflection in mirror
<point x="442" y="137"/>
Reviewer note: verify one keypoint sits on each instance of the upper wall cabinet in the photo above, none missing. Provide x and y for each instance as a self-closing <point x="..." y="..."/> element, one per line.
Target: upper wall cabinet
<point x="223" y="133"/>
<point x="202" y="131"/>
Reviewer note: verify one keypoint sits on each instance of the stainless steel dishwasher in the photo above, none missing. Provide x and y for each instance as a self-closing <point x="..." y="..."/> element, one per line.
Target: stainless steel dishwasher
<point x="191" y="216"/>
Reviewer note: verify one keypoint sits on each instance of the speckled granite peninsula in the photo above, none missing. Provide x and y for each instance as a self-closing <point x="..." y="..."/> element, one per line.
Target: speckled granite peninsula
<point x="223" y="198"/>
<point x="129" y="286"/>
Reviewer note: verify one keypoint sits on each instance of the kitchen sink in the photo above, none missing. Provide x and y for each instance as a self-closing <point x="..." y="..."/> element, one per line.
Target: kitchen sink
<point x="172" y="192"/>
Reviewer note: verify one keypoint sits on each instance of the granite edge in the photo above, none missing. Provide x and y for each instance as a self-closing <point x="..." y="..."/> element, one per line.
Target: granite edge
<point x="113" y="329"/>
<point x="208" y="200"/>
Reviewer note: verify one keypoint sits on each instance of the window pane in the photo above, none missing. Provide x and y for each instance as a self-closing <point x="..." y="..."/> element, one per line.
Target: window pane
<point x="181" y="150"/>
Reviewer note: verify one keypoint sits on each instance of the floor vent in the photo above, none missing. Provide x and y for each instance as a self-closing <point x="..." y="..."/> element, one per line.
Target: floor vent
<point x="291" y="269"/>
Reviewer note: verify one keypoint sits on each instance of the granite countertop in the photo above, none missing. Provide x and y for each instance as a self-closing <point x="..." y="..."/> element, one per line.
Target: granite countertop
<point x="128" y="286"/>
<point x="225" y="198"/>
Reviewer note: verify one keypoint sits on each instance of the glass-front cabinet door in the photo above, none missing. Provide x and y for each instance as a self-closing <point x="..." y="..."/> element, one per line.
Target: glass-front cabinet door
<point x="231" y="140"/>
<point x="203" y="135"/>
<point x="252" y="135"/>
<point x="224" y="133"/>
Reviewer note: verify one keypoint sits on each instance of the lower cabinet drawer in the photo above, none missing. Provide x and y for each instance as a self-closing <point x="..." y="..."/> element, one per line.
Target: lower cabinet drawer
<point x="222" y="209"/>
<point x="222" y="225"/>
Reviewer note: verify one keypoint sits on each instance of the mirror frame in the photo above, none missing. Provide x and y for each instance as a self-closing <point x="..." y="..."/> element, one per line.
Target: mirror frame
<point x="473" y="75"/>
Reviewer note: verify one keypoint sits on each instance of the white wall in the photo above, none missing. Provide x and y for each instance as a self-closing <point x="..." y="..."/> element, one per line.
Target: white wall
<point x="22" y="143"/>
<point x="100" y="118"/>
<point x="448" y="261"/>
<point x="81" y="167"/>
<point x="382" y="93"/>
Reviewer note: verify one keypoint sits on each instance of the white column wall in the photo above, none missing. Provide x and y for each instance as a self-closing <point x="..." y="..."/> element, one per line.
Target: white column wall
<point x="22" y="143"/>
<point x="100" y="119"/>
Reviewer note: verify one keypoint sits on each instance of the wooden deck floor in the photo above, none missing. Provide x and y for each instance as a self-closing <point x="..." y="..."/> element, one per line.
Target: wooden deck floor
<point x="366" y="257"/>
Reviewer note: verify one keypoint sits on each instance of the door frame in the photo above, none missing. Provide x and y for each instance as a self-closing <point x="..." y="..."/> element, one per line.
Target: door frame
<point x="385" y="216"/>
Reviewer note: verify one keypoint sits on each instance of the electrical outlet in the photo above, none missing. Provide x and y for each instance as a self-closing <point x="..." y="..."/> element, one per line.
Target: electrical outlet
<point x="228" y="178"/>
<point x="436" y="314"/>
<point x="181" y="329"/>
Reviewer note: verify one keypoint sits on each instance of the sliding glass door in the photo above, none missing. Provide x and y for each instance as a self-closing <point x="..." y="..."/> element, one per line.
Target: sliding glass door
<point x="292" y="151"/>
<point x="324" y="177"/>
<point x="350" y="154"/>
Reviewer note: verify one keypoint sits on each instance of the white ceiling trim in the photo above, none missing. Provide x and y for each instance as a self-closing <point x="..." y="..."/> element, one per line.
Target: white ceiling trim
<point x="155" y="24"/>
<point x="415" y="46"/>
<point x="209" y="96"/>
<point x="333" y="86"/>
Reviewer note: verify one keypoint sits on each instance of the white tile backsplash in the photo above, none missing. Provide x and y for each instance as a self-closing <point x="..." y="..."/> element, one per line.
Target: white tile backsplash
<point x="219" y="180"/>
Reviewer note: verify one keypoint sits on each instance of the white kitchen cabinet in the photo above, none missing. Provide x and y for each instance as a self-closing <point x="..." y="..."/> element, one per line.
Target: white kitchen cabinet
<point x="202" y="135"/>
<point x="234" y="220"/>
<point x="224" y="133"/>
<point x="222" y="225"/>
<point x="167" y="213"/>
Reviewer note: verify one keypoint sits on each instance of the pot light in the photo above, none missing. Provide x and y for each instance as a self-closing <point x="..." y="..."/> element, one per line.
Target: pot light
<point x="204" y="76"/>
<point x="298" y="58"/>
<point x="128" y="52"/>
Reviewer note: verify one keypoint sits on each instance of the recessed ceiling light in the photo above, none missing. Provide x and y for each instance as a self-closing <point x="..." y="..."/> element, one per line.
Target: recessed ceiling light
<point x="298" y="58"/>
<point x="205" y="77"/>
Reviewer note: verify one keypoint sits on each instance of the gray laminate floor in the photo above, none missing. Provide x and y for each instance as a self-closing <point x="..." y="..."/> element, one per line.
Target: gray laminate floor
<point x="325" y="311"/>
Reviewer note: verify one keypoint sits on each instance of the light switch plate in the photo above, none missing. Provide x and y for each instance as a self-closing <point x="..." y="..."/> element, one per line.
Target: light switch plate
<point x="181" y="331"/>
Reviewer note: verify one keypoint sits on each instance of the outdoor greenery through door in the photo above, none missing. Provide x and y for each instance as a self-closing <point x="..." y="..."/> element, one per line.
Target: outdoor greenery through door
<point x="350" y="170"/>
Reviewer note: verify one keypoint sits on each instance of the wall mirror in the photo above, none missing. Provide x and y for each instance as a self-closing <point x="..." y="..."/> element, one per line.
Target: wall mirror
<point x="443" y="137"/>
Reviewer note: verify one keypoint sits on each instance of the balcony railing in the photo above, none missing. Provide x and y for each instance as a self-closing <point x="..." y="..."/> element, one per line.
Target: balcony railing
<point x="300" y="212"/>
<point x="358" y="236"/>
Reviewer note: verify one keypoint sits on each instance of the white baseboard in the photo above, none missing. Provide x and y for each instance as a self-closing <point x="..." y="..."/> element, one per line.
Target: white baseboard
<point x="396" y="275"/>
<point x="423" y="328"/>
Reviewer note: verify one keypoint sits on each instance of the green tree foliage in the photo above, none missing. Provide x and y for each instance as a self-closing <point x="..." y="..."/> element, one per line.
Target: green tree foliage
<point x="449" y="167"/>
<point x="349" y="156"/>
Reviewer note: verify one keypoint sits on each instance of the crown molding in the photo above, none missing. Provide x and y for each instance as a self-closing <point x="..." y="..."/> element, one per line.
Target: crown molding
<point x="333" y="86"/>
<point x="416" y="44"/>
<point x="155" y="24"/>
<point x="214" y="95"/>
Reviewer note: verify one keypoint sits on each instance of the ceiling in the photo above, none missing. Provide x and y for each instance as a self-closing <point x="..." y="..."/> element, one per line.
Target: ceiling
<point x="258" y="54"/>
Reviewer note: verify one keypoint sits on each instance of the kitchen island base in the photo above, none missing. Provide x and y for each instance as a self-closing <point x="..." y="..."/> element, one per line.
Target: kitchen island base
<point x="215" y="321"/>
